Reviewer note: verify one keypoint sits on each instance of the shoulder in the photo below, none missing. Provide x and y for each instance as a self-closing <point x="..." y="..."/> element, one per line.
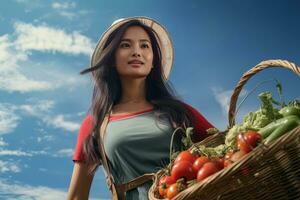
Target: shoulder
<point x="85" y="130"/>
<point x="86" y="126"/>
<point x="201" y="124"/>
<point x="88" y="120"/>
<point x="190" y="108"/>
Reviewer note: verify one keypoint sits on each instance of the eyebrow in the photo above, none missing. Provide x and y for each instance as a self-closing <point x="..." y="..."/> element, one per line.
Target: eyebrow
<point x="129" y="40"/>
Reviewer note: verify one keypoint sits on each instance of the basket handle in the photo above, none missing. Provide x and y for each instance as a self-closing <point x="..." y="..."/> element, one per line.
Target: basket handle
<point x="246" y="76"/>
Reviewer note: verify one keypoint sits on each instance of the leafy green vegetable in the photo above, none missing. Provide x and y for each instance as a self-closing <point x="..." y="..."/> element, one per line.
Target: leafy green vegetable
<point x="217" y="151"/>
<point x="230" y="139"/>
<point x="212" y="131"/>
<point x="255" y="120"/>
<point x="187" y="140"/>
<point x="265" y="115"/>
<point x="295" y="103"/>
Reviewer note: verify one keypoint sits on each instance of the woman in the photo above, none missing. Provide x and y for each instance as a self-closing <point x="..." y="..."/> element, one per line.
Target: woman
<point x="130" y="67"/>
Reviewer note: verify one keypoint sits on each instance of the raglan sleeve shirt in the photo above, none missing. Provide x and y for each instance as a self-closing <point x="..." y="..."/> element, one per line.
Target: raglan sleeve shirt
<point x="84" y="131"/>
<point x="200" y="126"/>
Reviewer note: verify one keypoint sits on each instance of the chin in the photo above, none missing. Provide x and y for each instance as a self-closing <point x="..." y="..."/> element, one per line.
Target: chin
<point x="135" y="76"/>
<point x="139" y="75"/>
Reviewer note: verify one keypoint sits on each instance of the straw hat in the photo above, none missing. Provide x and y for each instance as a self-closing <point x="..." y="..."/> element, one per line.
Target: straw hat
<point x="163" y="38"/>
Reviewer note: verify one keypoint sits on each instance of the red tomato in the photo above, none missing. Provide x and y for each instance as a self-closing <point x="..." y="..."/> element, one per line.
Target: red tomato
<point x="228" y="155"/>
<point x="167" y="180"/>
<point x="253" y="138"/>
<point x="248" y="140"/>
<point x="183" y="169"/>
<point x="185" y="155"/>
<point x="242" y="143"/>
<point x="219" y="162"/>
<point x="174" y="189"/>
<point x="199" y="162"/>
<point x="227" y="163"/>
<point x="227" y="159"/>
<point x="208" y="169"/>
<point x="237" y="155"/>
<point x="163" y="189"/>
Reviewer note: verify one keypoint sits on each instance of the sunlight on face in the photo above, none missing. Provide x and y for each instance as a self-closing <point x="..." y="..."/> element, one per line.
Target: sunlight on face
<point x="134" y="55"/>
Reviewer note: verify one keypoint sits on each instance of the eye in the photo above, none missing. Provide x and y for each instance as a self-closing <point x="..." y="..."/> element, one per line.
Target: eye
<point x="145" y="45"/>
<point x="124" y="45"/>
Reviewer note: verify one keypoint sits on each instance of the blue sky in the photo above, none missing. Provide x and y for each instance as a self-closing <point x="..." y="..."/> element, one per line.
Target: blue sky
<point x="44" y="45"/>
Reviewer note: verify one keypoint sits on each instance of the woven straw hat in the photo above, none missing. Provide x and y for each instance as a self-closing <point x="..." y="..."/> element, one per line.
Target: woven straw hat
<point x="162" y="36"/>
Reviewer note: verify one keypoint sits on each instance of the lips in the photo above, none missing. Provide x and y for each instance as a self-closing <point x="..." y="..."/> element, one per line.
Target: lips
<point x="135" y="62"/>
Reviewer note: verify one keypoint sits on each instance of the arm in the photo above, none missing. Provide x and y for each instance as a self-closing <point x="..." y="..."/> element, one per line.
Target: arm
<point x="80" y="182"/>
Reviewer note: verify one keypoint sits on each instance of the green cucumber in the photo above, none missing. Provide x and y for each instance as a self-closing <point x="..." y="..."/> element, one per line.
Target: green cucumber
<point x="290" y="110"/>
<point x="288" y="124"/>
<point x="267" y="130"/>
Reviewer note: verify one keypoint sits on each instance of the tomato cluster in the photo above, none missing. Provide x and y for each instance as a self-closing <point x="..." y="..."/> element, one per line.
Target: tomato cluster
<point x="246" y="142"/>
<point x="188" y="167"/>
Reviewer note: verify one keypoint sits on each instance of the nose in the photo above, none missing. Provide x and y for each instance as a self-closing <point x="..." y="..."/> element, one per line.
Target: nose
<point x="136" y="52"/>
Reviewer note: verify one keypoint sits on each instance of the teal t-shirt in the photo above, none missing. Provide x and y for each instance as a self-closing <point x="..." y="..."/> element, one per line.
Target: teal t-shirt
<point x="136" y="145"/>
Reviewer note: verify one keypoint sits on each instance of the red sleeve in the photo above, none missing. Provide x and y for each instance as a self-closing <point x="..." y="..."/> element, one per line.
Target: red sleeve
<point x="84" y="131"/>
<point x="200" y="124"/>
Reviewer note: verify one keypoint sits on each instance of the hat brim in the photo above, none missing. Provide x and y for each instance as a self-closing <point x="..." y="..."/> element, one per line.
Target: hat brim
<point x="163" y="39"/>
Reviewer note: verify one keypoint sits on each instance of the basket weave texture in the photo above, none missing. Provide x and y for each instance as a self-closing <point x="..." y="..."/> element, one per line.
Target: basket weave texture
<point x="268" y="172"/>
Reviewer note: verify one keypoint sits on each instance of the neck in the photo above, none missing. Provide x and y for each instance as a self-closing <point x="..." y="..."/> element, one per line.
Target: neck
<point x="133" y="91"/>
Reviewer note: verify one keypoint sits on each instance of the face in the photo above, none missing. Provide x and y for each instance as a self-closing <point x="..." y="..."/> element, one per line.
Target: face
<point x="134" y="55"/>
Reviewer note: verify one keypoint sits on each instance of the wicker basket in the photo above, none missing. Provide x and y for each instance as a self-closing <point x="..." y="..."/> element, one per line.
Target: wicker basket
<point x="268" y="172"/>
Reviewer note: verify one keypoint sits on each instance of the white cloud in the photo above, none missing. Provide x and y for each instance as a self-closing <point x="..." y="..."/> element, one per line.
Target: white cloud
<point x="67" y="10"/>
<point x="14" y="153"/>
<point x="40" y="109"/>
<point x="60" y="122"/>
<point x="8" y="166"/>
<point x="11" y="79"/>
<point x="5" y="152"/>
<point x="19" y="74"/>
<point x="19" y="153"/>
<point x="223" y="98"/>
<point x="27" y="1"/>
<point x="30" y="4"/>
<point x="81" y="114"/>
<point x="37" y="109"/>
<point x="65" y="5"/>
<point x="21" y="191"/>
<point x="7" y="54"/>
<point x="41" y="152"/>
<point x="49" y="39"/>
<point x="64" y="153"/>
<point x="8" y="119"/>
<point x="25" y="192"/>
<point x="67" y="14"/>
<point x="2" y="143"/>
<point x="46" y="138"/>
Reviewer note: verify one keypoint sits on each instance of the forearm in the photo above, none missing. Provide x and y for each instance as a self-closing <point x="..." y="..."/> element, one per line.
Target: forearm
<point x="80" y="183"/>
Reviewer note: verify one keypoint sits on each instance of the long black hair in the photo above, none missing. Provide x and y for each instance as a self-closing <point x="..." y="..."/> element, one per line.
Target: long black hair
<point x="107" y="90"/>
